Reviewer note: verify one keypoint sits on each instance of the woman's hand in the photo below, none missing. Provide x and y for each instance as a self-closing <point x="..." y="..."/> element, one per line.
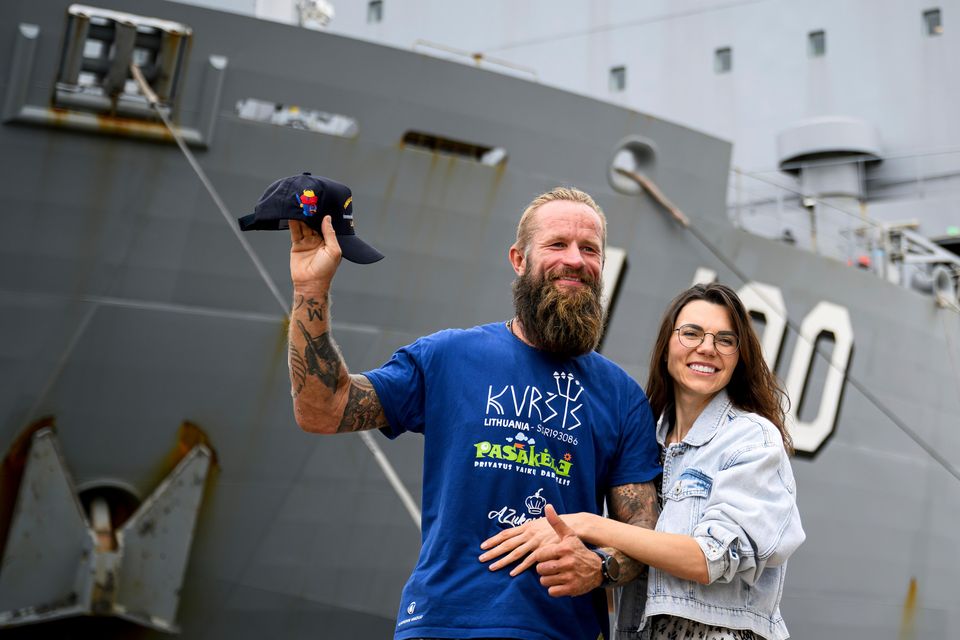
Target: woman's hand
<point x="516" y="543"/>
<point x="566" y="566"/>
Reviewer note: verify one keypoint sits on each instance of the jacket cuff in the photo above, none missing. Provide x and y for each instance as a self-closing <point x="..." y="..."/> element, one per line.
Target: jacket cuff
<point x="716" y="547"/>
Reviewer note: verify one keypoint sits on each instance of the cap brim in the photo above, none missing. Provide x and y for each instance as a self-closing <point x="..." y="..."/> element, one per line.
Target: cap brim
<point x="356" y="250"/>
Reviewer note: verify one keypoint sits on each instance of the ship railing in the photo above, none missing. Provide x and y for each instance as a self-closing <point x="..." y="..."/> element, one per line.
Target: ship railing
<point x="923" y="264"/>
<point x="901" y="226"/>
<point x="476" y="58"/>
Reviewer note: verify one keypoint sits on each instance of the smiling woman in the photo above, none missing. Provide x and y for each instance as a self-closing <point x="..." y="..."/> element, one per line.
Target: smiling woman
<point x="694" y="358"/>
<point x="700" y="368"/>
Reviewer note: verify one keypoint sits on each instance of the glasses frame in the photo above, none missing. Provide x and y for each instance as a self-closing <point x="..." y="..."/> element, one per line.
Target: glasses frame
<point x="704" y="337"/>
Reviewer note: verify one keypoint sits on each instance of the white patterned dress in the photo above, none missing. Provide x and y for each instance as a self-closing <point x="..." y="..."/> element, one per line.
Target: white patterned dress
<point x="665" y="627"/>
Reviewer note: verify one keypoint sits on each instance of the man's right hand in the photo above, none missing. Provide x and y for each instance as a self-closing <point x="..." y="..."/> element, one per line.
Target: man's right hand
<point x="326" y="398"/>
<point x="314" y="258"/>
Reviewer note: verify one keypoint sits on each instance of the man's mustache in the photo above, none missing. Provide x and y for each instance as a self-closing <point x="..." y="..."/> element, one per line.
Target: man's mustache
<point x="582" y="274"/>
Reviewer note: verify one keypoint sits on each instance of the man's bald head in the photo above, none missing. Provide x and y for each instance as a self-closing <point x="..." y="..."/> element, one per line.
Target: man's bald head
<point x="528" y="221"/>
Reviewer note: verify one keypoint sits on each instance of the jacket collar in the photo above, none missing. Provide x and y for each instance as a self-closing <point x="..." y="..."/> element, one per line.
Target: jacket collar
<point x="705" y="426"/>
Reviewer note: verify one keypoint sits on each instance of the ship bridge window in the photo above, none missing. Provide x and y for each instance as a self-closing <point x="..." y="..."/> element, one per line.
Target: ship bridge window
<point x="817" y="44"/>
<point x="932" y="22"/>
<point x="723" y="60"/>
<point x="288" y="115"/>
<point x="492" y="156"/>
<point x="618" y="78"/>
<point x="375" y="11"/>
<point x="99" y="46"/>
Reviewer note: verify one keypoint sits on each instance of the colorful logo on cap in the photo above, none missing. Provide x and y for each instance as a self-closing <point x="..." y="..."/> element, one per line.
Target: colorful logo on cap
<point x="348" y="215"/>
<point x="308" y="202"/>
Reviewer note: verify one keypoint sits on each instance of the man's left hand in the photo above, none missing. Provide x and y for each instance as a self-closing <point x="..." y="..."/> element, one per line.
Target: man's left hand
<point x="567" y="568"/>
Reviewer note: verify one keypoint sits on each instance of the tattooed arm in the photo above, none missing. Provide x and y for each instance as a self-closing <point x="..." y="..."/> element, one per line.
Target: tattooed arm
<point x="559" y="555"/>
<point x="556" y="545"/>
<point x="677" y="554"/>
<point x="634" y="504"/>
<point x="326" y="397"/>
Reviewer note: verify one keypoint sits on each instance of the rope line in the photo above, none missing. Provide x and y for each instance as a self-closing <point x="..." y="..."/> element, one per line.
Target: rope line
<point x="201" y="174"/>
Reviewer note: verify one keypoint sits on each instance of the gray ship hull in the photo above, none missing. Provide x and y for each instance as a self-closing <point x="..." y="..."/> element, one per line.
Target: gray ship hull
<point x="128" y="307"/>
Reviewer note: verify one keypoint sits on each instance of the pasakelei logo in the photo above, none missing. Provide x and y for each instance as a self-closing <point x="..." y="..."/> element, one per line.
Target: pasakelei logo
<point x="527" y="455"/>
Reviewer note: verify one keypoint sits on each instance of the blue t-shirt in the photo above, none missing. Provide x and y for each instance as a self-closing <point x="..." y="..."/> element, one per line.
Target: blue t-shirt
<point x="508" y="429"/>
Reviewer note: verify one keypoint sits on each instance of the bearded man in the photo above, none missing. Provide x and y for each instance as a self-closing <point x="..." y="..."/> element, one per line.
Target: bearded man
<point x="515" y="415"/>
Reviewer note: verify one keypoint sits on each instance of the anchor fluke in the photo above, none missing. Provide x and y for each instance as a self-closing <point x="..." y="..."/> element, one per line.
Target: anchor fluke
<point x="57" y="564"/>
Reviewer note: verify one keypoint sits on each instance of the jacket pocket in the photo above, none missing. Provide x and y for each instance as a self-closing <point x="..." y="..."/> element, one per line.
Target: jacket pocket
<point x="692" y="482"/>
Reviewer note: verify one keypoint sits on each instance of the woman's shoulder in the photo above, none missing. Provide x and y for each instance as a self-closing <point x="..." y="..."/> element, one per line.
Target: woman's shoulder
<point x="754" y="439"/>
<point x="749" y="428"/>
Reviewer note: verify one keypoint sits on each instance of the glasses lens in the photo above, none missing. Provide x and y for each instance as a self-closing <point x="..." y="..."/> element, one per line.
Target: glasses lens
<point x="727" y="343"/>
<point x="690" y="336"/>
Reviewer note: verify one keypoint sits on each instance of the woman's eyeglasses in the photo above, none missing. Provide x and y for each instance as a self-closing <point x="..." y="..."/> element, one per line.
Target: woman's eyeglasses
<point x="692" y="336"/>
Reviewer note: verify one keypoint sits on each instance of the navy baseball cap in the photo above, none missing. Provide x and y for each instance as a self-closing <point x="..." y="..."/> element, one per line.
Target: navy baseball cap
<point x="309" y="198"/>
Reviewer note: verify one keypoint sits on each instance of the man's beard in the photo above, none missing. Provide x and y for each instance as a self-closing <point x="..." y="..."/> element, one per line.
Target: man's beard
<point x="566" y="322"/>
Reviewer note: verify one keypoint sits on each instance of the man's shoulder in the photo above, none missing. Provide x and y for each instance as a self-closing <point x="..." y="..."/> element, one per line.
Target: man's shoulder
<point x="608" y="367"/>
<point x="459" y="337"/>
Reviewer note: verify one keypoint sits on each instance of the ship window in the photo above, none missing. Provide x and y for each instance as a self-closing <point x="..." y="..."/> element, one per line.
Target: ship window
<point x="723" y="60"/>
<point x="816" y="44"/>
<point x="375" y="11"/>
<point x="618" y="78"/>
<point x="296" y="117"/>
<point x="932" y="22"/>
<point x="492" y="156"/>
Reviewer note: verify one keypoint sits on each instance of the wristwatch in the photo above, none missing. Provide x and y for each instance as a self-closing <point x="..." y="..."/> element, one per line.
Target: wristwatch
<point x="609" y="568"/>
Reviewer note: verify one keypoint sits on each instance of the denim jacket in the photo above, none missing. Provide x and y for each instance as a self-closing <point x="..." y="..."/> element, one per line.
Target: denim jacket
<point x="729" y="485"/>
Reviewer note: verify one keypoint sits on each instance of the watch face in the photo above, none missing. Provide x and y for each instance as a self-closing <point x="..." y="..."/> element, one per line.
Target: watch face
<point x="611" y="567"/>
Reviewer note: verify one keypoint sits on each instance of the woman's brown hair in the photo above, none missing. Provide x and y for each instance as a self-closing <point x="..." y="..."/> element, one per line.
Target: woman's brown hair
<point x="753" y="387"/>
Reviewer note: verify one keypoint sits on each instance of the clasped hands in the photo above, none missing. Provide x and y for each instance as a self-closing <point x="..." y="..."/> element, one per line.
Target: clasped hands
<point x="566" y="566"/>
